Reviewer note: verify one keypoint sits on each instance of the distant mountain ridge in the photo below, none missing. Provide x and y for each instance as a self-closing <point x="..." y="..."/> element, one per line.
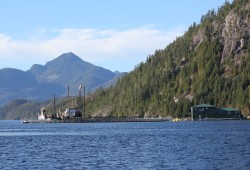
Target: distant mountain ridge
<point x="42" y="81"/>
<point x="69" y="69"/>
<point x="16" y="83"/>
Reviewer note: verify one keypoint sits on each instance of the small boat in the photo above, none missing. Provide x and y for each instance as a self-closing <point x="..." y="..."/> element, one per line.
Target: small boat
<point x="176" y="120"/>
<point x="25" y="121"/>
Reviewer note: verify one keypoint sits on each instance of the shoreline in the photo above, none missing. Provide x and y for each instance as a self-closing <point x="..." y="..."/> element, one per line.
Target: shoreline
<point x="117" y="119"/>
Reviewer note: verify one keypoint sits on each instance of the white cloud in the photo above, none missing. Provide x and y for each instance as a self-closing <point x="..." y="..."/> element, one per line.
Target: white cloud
<point x="110" y="48"/>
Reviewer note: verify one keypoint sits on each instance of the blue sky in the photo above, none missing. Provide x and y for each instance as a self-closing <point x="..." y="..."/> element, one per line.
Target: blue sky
<point x="113" y="34"/>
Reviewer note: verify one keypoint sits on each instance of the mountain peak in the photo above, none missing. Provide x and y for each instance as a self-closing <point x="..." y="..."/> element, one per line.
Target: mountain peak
<point x="69" y="69"/>
<point x="64" y="59"/>
<point x="68" y="57"/>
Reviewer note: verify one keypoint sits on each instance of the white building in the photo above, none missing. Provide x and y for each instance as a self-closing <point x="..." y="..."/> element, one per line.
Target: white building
<point x="71" y="112"/>
<point x="42" y="114"/>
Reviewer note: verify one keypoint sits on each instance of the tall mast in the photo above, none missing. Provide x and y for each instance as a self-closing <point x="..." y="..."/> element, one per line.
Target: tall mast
<point x="79" y="101"/>
<point x="84" y="102"/>
<point x="54" y="105"/>
<point x="68" y="102"/>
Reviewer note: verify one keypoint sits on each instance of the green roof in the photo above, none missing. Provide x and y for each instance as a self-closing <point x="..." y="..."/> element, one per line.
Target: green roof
<point x="230" y="109"/>
<point x="204" y="105"/>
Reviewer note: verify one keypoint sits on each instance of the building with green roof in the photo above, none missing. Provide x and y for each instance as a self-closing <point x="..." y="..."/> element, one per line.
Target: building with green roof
<point x="207" y="111"/>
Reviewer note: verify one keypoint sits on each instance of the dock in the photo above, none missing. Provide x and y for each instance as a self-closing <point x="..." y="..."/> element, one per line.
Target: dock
<point x="99" y="120"/>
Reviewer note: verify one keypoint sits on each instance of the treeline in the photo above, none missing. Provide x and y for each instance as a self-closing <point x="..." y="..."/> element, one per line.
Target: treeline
<point x="20" y="109"/>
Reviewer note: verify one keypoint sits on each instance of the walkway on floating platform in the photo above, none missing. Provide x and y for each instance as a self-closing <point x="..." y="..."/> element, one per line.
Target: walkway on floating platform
<point x="99" y="120"/>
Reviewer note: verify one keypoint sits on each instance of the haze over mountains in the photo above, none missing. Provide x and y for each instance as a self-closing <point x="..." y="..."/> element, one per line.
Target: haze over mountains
<point x="42" y="81"/>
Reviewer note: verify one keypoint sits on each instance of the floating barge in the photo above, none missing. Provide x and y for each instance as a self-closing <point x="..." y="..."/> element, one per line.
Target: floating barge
<point x="99" y="120"/>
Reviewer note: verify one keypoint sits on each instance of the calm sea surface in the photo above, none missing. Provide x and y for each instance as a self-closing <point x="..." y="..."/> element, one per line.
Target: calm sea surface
<point x="164" y="145"/>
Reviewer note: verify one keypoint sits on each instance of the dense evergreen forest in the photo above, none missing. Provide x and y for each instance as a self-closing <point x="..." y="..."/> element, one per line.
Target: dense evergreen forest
<point x="210" y="63"/>
<point x="20" y="109"/>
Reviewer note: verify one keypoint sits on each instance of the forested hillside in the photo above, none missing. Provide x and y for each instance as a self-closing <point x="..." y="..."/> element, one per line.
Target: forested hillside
<point x="210" y="63"/>
<point x="20" y="109"/>
<point x="26" y="109"/>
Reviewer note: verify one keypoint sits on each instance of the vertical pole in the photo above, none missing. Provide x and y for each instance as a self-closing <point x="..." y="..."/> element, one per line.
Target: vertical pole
<point x="79" y="98"/>
<point x="79" y="103"/>
<point x="192" y="113"/>
<point x="54" y="105"/>
<point x="68" y="102"/>
<point x="84" y="105"/>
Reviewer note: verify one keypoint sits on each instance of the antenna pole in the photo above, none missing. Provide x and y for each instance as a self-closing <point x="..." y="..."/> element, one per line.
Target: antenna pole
<point x="54" y="105"/>
<point x="68" y="102"/>
<point x="84" y="105"/>
<point x="79" y="101"/>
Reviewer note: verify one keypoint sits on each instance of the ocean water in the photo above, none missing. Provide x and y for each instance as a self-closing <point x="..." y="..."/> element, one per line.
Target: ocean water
<point x="160" y="145"/>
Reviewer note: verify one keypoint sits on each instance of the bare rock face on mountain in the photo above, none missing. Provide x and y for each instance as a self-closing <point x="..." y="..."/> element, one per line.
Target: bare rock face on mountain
<point x="233" y="32"/>
<point x="236" y="33"/>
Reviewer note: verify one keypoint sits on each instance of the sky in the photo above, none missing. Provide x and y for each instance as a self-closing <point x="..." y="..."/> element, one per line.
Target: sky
<point x="114" y="34"/>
